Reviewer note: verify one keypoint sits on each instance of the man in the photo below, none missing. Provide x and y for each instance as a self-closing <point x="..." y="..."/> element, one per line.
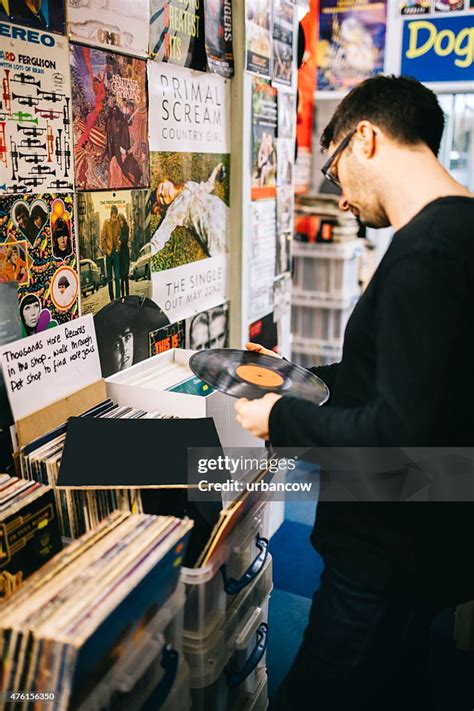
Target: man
<point x="405" y="379"/>
<point x="110" y="246"/>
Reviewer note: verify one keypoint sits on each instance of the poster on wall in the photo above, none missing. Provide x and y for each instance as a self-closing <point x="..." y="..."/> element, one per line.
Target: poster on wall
<point x="110" y="125"/>
<point x="218" y="37"/>
<point x="285" y="161"/>
<point x="262" y="257"/>
<point x="38" y="251"/>
<point x="421" y="40"/>
<point x="113" y="230"/>
<point x="190" y="189"/>
<point x="284" y="42"/>
<point x="167" y="337"/>
<point x="121" y="25"/>
<point x="177" y="33"/>
<point x="46" y="15"/>
<point x="281" y="296"/>
<point x="124" y="328"/>
<point x="208" y="329"/>
<point x="286" y="114"/>
<point x="265" y="332"/>
<point x="258" y="37"/>
<point x="35" y="113"/>
<point x="448" y="5"/>
<point x="351" y="42"/>
<point x="264" y="126"/>
<point x="10" y="330"/>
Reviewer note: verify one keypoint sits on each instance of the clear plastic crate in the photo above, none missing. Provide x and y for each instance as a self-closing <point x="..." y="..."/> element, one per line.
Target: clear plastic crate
<point x="243" y="555"/>
<point x="149" y="659"/>
<point x="226" y="671"/>
<point x="327" y="268"/>
<point x="259" y="700"/>
<point x="322" y="320"/>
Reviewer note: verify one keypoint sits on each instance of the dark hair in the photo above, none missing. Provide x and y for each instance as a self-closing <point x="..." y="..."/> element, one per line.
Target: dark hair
<point x="405" y="109"/>
<point x="63" y="281"/>
<point x="21" y="209"/>
<point x="37" y="211"/>
<point x="61" y="229"/>
<point x="114" y="210"/>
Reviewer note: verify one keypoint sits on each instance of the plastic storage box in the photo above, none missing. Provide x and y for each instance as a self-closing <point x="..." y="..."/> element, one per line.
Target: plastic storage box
<point x="259" y="700"/>
<point x="234" y="566"/>
<point x="322" y="319"/>
<point x="226" y="669"/>
<point x="326" y="269"/>
<point x="149" y="663"/>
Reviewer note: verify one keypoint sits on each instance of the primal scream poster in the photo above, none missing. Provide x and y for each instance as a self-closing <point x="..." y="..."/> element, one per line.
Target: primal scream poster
<point x="110" y="119"/>
<point x="35" y="112"/>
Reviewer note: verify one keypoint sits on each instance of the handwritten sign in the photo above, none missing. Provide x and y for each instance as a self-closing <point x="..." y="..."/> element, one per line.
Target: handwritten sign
<point x="51" y="365"/>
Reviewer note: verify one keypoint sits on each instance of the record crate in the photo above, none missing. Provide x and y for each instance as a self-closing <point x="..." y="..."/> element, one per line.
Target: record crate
<point x="309" y="353"/>
<point x="321" y="318"/>
<point x="227" y="668"/>
<point x="215" y="586"/>
<point x="150" y="667"/>
<point x="326" y="269"/>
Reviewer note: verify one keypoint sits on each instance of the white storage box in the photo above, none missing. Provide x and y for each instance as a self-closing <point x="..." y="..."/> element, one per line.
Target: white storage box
<point x="149" y="659"/>
<point x="326" y="268"/>
<point x="259" y="700"/>
<point x="226" y="671"/>
<point x="321" y="319"/>
<point x="207" y="601"/>
<point x="145" y="387"/>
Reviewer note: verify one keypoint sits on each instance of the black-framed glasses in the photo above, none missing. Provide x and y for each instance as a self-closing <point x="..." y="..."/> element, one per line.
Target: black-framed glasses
<point x="326" y="169"/>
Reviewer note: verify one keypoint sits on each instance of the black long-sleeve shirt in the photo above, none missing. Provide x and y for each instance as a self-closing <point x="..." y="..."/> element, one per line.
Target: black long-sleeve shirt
<point x="406" y="378"/>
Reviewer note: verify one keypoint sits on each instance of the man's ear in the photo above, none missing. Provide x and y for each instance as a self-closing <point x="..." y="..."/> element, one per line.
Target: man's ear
<point x="367" y="134"/>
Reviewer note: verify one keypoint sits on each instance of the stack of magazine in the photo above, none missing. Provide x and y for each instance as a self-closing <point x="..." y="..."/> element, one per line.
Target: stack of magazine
<point x="79" y="511"/>
<point x="29" y="530"/>
<point x="68" y="624"/>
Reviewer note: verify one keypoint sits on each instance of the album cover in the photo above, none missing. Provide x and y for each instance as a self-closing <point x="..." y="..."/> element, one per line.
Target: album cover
<point x="177" y="33"/>
<point x="114" y="235"/>
<point x="29" y="537"/>
<point x="218" y="36"/>
<point x="351" y="42"/>
<point x="264" y="152"/>
<point x="258" y="36"/>
<point x="163" y="339"/>
<point x="38" y="251"/>
<point x="208" y="329"/>
<point x="121" y="25"/>
<point x="283" y="42"/>
<point x="10" y="330"/>
<point x="46" y="15"/>
<point x="35" y="113"/>
<point x="110" y="106"/>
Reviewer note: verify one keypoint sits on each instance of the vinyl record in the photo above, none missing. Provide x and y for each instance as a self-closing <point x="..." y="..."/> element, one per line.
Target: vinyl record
<point x="251" y="375"/>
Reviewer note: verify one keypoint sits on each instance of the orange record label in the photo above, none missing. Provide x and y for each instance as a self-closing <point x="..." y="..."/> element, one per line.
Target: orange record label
<point x="258" y="375"/>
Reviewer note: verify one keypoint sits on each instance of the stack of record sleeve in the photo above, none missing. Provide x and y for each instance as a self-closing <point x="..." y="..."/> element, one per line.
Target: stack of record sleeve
<point x="79" y="511"/>
<point x="29" y="530"/>
<point x="68" y="624"/>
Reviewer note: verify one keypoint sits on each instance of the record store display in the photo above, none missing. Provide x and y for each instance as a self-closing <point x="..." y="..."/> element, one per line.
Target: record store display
<point x="251" y="375"/>
<point x="72" y="619"/>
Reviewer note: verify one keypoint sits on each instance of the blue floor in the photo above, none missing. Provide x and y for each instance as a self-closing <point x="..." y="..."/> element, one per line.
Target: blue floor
<point x="296" y="573"/>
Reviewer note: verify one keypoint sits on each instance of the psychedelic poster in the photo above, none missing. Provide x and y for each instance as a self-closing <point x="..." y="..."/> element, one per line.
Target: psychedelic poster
<point x="168" y="337"/>
<point x="38" y="251"/>
<point x="177" y="32"/>
<point x="46" y="15"/>
<point x="190" y="189"/>
<point x="218" y="37"/>
<point x="110" y="119"/>
<point x="264" y="125"/>
<point x="113" y="230"/>
<point x="283" y="42"/>
<point x="351" y="42"/>
<point x="258" y="37"/>
<point x="120" y="25"/>
<point x="35" y="117"/>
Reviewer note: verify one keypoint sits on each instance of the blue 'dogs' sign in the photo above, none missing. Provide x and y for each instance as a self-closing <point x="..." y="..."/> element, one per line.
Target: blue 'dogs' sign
<point x="439" y="49"/>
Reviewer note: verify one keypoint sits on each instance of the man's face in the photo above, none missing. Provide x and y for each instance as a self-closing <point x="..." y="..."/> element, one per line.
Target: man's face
<point x="200" y="336"/>
<point x="31" y="314"/>
<point x="122" y="350"/>
<point x="359" y="182"/>
<point x="218" y="332"/>
<point x="113" y="217"/>
<point x="23" y="220"/>
<point x="62" y="242"/>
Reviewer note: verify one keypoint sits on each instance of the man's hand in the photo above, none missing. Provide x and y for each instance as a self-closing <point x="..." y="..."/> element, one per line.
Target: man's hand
<point x="254" y="415"/>
<point x="257" y="348"/>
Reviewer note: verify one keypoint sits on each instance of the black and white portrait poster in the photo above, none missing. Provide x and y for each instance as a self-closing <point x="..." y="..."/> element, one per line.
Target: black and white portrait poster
<point x="121" y="25"/>
<point x="284" y="67"/>
<point x="218" y="37"/>
<point x="190" y="189"/>
<point x="35" y="112"/>
<point x="208" y="329"/>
